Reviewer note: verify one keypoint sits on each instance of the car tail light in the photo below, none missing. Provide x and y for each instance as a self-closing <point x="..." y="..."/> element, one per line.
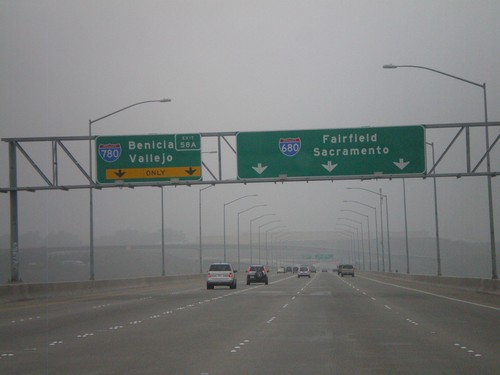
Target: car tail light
<point x="209" y="274"/>
<point x="231" y="275"/>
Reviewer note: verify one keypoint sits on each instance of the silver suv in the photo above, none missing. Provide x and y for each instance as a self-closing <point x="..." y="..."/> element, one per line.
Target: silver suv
<point x="347" y="269"/>
<point x="221" y="274"/>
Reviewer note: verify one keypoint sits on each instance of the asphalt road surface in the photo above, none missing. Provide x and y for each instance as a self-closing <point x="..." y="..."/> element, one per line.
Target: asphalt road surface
<point x="323" y="325"/>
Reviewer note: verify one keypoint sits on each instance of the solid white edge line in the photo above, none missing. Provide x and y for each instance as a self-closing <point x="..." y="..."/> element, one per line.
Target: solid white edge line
<point x="432" y="294"/>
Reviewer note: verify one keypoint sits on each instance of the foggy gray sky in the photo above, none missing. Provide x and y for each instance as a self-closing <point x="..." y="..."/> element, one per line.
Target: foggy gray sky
<point x="245" y="66"/>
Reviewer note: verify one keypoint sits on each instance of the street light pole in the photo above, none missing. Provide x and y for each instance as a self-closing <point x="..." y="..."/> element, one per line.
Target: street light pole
<point x="91" y="204"/>
<point x="357" y="237"/>
<point x="362" y="239"/>
<point x="406" y="229"/>
<point x="239" y="213"/>
<point x="382" y="196"/>
<point x="488" y="159"/>
<point x="227" y="204"/>
<point x="199" y="210"/>
<point x="438" y="251"/>
<point x="263" y="225"/>
<point x="369" y="246"/>
<point x="267" y="249"/>
<point x="251" y="221"/>
<point x="376" y="227"/>
<point x="162" y="235"/>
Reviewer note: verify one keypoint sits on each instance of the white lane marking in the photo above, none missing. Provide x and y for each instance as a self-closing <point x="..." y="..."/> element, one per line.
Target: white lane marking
<point x="237" y="347"/>
<point x="285" y="305"/>
<point x="469" y="351"/>
<point x="270" y="320"/>
<point x="387" y="307"/>
<point x="433" y="294"/>
<point x="373" y="298"/>
<point x="85" y="335"/>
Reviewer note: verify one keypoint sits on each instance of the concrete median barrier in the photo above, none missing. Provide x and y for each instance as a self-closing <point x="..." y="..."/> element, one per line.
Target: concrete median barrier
<point x="22" y="291"/>
<point x="479" y="285"/>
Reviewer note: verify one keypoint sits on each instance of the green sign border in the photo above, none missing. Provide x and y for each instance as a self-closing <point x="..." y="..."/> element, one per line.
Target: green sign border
<point x="332" y="152"/>
<point x="150" y="151"/>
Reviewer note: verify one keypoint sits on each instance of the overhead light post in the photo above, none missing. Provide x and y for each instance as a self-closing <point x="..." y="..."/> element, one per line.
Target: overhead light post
<point x="267" y="249"/>
<point x="362" y="239"/>
<point x="376" y="227"/>
<point x="382" y="196"/>
<point x="406" y="229"/>
<point x="199" y="210"/>
<point x="91" y="122"/>
<point x="225" y="205"/>
<point x="438" y="251"/>
<point x="239" y="213"/>
<point x="357" y="237"/>
<point x="251" y="221"/>
<point x="263" y="225"/>
<point x="488" y="163"/>
<point x="369" y="246"/>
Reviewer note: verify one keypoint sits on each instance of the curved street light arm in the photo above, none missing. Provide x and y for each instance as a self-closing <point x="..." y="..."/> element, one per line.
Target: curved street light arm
<point x="129" y="106"/>
<point x="391" y="66"/>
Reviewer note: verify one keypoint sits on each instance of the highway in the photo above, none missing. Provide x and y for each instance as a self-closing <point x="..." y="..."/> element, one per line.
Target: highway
<point x="324" y="325"/>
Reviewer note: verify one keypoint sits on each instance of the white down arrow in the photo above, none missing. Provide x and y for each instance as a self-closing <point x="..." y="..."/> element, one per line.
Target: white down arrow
<point x="259" y="168"/>
<point x="401" y="164"/>
<point x="329" y="166"/>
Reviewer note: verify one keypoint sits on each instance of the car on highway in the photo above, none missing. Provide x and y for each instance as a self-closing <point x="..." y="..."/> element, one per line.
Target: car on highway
<point x="312" y="269"/>
<point x="221" y="274"/>
<point x="288" y="269"/>
<point x="304" y="272"/>
<point x="324" y="270"/>
<point x="257" y="273"/>
<point x="281" y="270"/>
<point x="347" y="269"/>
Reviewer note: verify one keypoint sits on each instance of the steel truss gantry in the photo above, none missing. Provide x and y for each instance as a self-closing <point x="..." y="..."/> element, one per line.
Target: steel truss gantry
<point x="85" y="180"/>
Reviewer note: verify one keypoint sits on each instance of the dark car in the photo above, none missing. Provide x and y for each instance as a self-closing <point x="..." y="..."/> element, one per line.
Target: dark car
<point x="257" y="274"/>
<point x="288" y="269"/>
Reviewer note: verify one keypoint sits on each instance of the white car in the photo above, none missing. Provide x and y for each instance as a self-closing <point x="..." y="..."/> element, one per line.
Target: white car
<point x="347" y="269"/>
<point x="221" y="274"/>
<point x="281" y="270"/>
<point x="304" y="272"/>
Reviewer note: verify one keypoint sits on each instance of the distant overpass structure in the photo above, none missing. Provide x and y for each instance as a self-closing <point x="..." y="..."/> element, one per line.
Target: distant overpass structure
<point x="169" y="160"/>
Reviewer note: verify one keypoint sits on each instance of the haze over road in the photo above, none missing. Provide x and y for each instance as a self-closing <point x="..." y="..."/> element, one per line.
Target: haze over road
<point x="322" y="325"/>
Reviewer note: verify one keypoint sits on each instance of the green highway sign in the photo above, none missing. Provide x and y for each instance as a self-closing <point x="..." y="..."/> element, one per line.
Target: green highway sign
<point x="317" y="256"/>
<point x="331" y="152"/>
<point x="145" y="158"/>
